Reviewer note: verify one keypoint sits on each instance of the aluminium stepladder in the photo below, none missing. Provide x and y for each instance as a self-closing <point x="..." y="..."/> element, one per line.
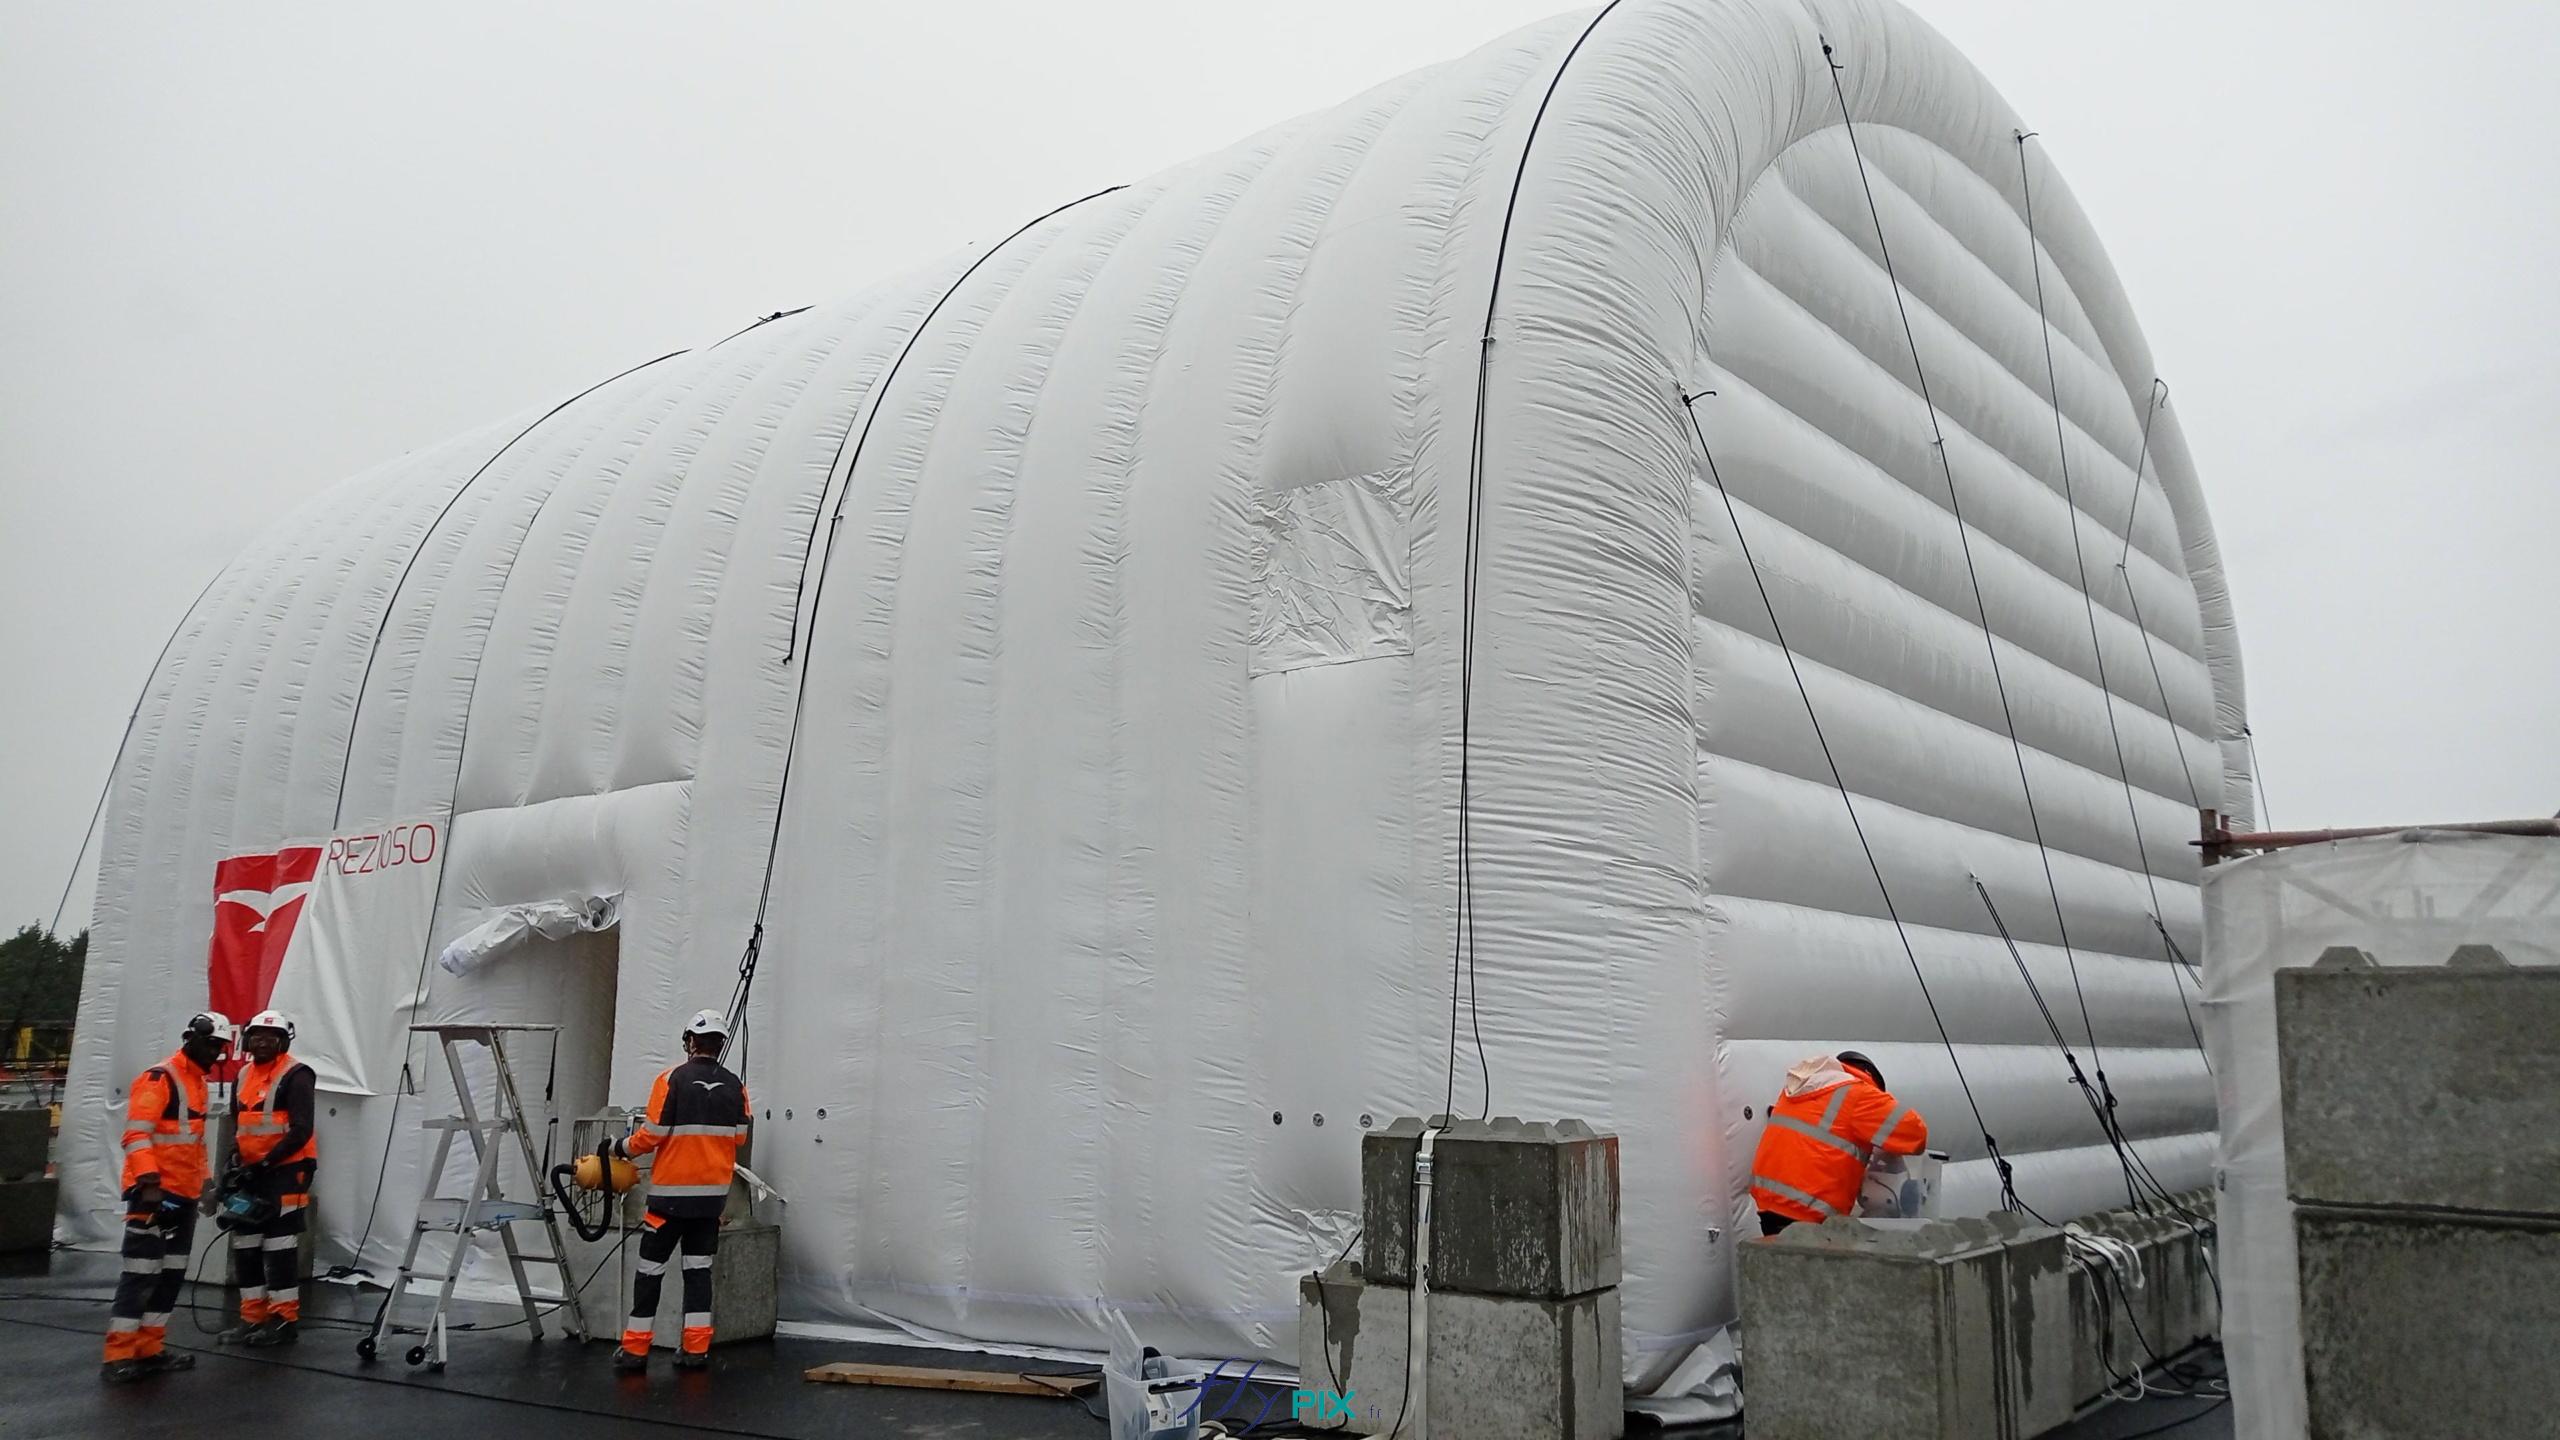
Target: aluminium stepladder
<point x="483" y="1208"/>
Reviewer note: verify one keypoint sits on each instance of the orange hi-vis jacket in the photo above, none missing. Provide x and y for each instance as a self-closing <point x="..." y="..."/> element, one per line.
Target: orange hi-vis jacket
<point x="272" y="1105"/>
<point x="1823" y="1132"/>
<point x="164" y="1117"/>
<point x="697" y="1119"/>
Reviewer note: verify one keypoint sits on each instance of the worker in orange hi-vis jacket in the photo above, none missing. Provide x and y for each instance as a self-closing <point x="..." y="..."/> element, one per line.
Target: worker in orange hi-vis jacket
<point x="1831" y="1121"/>
<point x="696" y="1123"/>
<point x="277" y="1152"/>
<point x="164" y="1180"/>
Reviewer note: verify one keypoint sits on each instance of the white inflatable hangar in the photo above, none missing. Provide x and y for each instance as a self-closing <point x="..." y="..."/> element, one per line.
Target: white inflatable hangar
<point x="1111" y="658"/>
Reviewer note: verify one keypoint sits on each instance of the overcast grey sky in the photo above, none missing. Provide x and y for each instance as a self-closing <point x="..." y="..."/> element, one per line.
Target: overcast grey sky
<point x="247" y="249"/>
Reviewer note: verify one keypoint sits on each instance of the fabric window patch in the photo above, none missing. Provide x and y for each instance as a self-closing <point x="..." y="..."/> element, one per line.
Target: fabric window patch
<point x="1333" y="572"/>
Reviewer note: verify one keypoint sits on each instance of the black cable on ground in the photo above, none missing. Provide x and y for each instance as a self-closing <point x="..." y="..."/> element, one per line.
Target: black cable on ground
<point x="221" y="1245"/>
<point x="370" y="1377"/>
<point x="2008" y="1189"/>
<point x="1317" y="1276"/>
<point x="2178" y="1424"/>
<point x="2185" y="1375"/>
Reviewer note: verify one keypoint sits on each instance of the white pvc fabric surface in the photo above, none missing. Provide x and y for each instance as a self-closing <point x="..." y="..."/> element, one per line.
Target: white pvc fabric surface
<point x="1118" y="575"/>
<point x="2405" y="899"/>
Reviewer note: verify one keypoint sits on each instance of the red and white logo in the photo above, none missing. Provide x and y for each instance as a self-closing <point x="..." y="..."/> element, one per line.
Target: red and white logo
<point x="257" y="900"/>
<point x="316" y="927"/>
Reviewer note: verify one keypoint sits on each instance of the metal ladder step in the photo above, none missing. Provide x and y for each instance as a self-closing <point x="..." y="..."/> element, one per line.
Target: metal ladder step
<point x="484" y="1211"/>
<point x="445" y="1213"/>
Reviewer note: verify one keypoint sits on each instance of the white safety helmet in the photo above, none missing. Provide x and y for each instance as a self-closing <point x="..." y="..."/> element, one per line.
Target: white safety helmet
<point x="209" y="1025"/>
<point x="707" y="1022"/>
<point x="270" y="1020"/>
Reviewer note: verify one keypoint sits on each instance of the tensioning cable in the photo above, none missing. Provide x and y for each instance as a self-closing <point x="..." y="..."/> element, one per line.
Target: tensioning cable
<point x="2008" y="1183"/>
<point x="391" y="602"/>
<point x="757" y="324"/>
<point x="1462" y="934"/>
<point x="418" y="983"/>
<point x="2107" y="1128"/>
<point x="839" y="471"/>
<point x="2088" y="600"/>
<point x="2160" y="686"/>
<point x="130" y="720"/>
<point x="2133" y="602"/>
<point x="1964" y="542"/>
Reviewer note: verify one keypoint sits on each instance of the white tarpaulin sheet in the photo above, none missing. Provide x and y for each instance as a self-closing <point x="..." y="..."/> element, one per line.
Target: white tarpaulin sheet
<point x="2405" y="899"/>
<point x="1120" y="594"/>
<point x="513" y="925"/>
<point x="350" y="971"/>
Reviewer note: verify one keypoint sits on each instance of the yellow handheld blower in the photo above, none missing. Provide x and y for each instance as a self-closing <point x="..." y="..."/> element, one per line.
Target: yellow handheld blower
<point x="590" y="1173"/>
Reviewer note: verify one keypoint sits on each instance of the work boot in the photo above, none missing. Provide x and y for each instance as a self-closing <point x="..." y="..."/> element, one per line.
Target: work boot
<point x="629" y="1362"/>
<point x="117" y="1372"/>
<point x="693" y="1359"/>
<point x="239" y="1332"/>
<point x="275" y="1332"/>
<point x="166" y="1360"/>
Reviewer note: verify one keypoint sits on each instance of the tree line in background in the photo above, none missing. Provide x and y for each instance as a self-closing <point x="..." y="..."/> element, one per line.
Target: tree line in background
<point x="39" y="992"/>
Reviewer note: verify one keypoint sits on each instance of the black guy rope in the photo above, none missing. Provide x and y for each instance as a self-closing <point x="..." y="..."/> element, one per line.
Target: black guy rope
<point x="2258" y="780"/>
<point x="2108" y="1129"/>
<point x="2008" y="1188"/>
<point x="130" y="720"/>
<point x="391" y="602"/>
<point x="1964" y="540"/>
<point x="26" y="992"/>
<point x="757" y="324"/>
<point x="2133" y="602"/>
<point x="2088" y="599"/>
<point x="848" y="456"/>
<point x="1462" y="935"/>
<point x="418" y="983"/>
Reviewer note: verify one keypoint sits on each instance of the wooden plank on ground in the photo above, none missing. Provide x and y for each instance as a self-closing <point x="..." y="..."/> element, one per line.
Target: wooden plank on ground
<point x="920" y="1377"/>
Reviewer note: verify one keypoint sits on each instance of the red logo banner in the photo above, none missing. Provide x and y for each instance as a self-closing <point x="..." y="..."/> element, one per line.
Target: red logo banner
<point x="256" y="901"/>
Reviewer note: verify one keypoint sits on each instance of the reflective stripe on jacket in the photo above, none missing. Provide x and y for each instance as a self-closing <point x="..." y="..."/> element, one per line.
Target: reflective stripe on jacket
<point x="164" y="1118"/>
<point x="697" y="1119"/>
<point x="1819" y="1141"/>
<point x="267" y="1098"/>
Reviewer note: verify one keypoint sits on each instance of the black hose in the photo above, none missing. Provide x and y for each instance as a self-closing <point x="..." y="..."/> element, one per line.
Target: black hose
<point x="562" y="1176"/>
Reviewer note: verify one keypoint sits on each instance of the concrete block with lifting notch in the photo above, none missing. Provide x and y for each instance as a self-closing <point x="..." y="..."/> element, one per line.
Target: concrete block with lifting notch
<point x="1501" y="1366"/>
<point x="2421" y="1085"/>
<point x="2424" y="1324"/>
<point x="1956" y="1329"/>
<point x="746" y="1283"/>
<point x="2422" y="1154"/>
<point x="1523" y="1306"/>
<point x="1518" y="1208"/>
